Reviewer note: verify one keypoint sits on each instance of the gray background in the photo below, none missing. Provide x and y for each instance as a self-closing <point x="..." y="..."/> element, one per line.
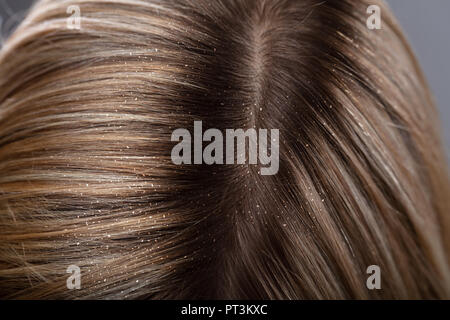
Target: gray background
<point x="426" y="23"/>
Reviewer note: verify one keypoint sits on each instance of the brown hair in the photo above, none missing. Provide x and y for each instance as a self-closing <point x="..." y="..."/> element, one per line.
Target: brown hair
<point x="86" y="177"/>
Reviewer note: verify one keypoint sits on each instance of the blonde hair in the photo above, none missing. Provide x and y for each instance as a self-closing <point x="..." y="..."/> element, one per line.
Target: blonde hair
<point x="86" y="177"/>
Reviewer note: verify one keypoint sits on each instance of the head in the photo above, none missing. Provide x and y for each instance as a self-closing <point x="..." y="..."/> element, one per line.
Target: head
<point x="88" y="179"/>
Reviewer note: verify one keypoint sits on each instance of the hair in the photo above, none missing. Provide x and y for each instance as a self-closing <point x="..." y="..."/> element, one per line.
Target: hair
<point x="86" y="176"/>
